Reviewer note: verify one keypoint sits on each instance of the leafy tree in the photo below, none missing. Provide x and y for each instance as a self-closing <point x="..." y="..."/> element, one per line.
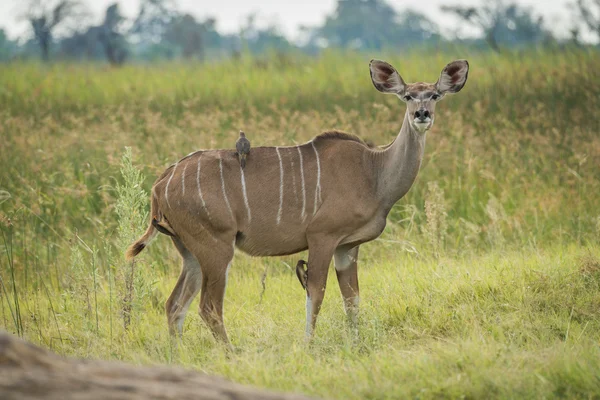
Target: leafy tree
<point x="187" y="35"/>
<point x="153" y="20"/>
<point x="161" y="31"/>
<point x="82" y="45"/>
<point x="109" y="34"/>
<point x="106" y="40"/>
<point x="46" y="16"/>
<point x="502" y="24"/>
<point x="589" y="11"/>
<point x="414" y="27"/>
<point x="372" y="24"/>
<point x="259" y="40"/>
<point x="8" y="48"/>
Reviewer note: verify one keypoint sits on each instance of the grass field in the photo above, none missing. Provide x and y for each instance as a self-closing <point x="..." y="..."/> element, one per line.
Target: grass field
<point x="485" y="283"/>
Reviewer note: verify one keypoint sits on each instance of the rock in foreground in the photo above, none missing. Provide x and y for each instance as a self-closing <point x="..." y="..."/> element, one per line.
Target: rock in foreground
<point x="30" y="372"/>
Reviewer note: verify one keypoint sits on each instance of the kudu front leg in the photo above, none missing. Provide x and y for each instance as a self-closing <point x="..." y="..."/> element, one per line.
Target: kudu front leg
<point x="319" y="257"/>
<point x="215" y="262"/>
<point x="346" y="269"/>
<point x="211" y="305"/>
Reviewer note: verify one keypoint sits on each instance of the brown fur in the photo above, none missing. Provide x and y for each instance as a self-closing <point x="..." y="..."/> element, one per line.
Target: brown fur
<point x="328" y="196"/>
<point x="337" y="135"/>
<point x="421" y="87"/>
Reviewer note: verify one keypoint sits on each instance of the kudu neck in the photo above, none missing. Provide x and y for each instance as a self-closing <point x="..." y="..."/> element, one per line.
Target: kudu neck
<point x="400" y="163"/>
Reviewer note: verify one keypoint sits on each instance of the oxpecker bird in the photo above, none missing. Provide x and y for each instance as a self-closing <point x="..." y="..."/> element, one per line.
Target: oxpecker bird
<point x="243" y="148"/>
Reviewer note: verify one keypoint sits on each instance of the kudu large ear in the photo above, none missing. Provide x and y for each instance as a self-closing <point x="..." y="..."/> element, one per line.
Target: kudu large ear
<point x="385" y="78"/>
<point x="453" y="77"/>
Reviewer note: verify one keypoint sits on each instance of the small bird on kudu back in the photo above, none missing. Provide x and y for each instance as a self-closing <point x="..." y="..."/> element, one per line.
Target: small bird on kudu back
<point x="243" y="148"/>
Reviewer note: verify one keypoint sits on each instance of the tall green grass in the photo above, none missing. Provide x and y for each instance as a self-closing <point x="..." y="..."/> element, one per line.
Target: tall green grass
<point x="485" y="283"/>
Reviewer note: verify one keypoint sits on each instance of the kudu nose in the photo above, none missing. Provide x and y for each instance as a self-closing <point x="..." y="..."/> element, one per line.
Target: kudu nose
<point x="422" y="115"/>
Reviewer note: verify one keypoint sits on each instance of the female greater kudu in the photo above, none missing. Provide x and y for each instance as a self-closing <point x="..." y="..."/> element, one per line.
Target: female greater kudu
<point x="328" y="196"/>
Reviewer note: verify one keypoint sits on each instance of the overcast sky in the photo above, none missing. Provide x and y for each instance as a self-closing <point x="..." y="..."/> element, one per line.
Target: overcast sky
<point x="289" y="15"/>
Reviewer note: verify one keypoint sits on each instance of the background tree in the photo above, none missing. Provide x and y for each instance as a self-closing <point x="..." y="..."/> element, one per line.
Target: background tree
<point x="97" y="42"/>
<point x="589" y="11"/>
<point x="153" y="20"/>
<point x="371" y="24"/>
<point x="258" y="40"/>
<point x="161" y="31"/>
<point x="502" y="24"/>
<point x="109" y="34"/>
<point x="82" y="45"/>
<point x="45" y="16"/>
<point x="415" y="28"/>
<point x="187" y="34"/>
<point x="8" y="48"/>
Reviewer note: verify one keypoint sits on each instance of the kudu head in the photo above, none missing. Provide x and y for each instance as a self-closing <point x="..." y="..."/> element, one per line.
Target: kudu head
<point x="419" y="97"/>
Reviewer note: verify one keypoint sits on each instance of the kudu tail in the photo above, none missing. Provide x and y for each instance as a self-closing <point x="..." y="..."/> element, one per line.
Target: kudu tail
<point x="137" y="247"/>
<point x="153" y="229"/>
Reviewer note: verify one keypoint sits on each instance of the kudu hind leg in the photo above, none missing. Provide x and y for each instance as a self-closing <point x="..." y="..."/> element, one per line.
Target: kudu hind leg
<point x="187" y="287"/>
<point x="216" y="261"/>
<point x="346" y="269"/>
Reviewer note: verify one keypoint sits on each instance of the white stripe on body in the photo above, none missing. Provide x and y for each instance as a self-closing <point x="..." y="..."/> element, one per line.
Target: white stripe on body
<point x="168" y="182"/>
<point x="318" y="187"/>
<point x="200" y="189"/>
<point x="243" y="179"/>
<point x="223" y="189"/>
<point x="202" y="200"/>
<point x="183" y="180"/>
<point x="303" y="185"/>
<point x="280" y="186"/>
<point x="293" y="176"/>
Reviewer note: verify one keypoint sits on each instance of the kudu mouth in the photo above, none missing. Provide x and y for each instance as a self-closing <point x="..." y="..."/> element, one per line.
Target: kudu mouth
<point x="422" y="120"/>
<point x="422" y="125"/>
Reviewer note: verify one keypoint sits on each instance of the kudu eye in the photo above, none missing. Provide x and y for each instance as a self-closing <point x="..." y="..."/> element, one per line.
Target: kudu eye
<point x="408" y="97"/>
<point x="435" y="97"/>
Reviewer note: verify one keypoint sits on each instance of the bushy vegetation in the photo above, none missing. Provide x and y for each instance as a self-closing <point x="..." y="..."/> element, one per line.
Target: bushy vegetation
<point x="485" y="283"/>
